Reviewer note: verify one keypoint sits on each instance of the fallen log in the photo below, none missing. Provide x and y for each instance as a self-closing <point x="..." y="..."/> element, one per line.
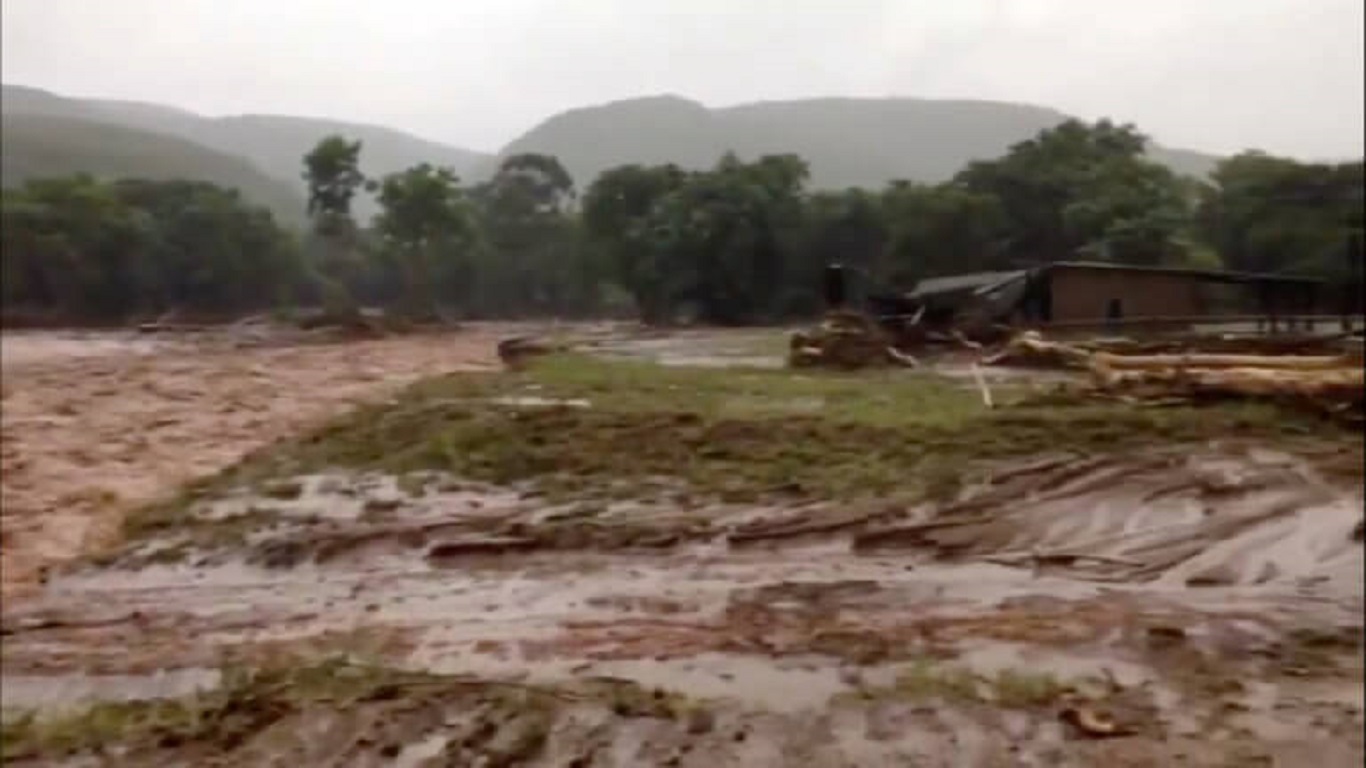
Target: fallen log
<point x="1221" y="344"/>
<point x="1031" y="349"/>
<point x="1339" y="385"/>
<point x="1334" y="385"/>
<point x="1153" y="362"/>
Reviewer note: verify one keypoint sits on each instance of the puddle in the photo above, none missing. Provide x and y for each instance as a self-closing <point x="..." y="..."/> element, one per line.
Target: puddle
<point x="532" y="401"/>
<point x="994" y="658"/>
<point x="417" y="754"/>
<point x="720" y="361"/>
<point x="347" y="498"/>
<point x="776" y="627"/>
<point x="1179" y="522"/>
<point x="784" y="685"/>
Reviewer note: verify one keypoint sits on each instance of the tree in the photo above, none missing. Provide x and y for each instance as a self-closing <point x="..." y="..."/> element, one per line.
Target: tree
<point x="740" y="242"/>
<point x="1270" y="214"/>
<point x="533" y="263"/>
<point x="426" y="227"/>
<point x="77" y="247"/>
<point x="95" y="251"/>
<point x="332" y="171"/>
<point x="941" y="230"/>
<point x="722" y="239"/>
<point x="616" y="219"/>
<point x="1079" y="189"/>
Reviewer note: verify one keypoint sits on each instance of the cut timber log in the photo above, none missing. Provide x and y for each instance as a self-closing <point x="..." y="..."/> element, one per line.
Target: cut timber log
<point x="1334" y="385"/>
<point x="1030" y="348"/>
<point x="1162" y="362"/>
<point x="1340" y="385"/>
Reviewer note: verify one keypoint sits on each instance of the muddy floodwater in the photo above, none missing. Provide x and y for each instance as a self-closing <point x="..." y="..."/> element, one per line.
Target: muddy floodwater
<point x="1167" y="606"/>
<point x="95" y="423"/>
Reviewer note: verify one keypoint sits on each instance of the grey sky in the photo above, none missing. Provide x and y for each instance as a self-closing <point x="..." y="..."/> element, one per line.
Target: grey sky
<point x="1216" y="75"/>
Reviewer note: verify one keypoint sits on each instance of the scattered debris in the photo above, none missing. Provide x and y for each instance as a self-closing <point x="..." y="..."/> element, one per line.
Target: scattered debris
<point x="1093" y="724"/>
<point x="518" y="350"/>
<point x="846" y="340"/>
<point x="982" y="385"/>
<point x="1330" y="384"/>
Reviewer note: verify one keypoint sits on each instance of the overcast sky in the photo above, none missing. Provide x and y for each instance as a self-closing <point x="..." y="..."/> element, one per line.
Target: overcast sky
<point x="1215" y="75"/>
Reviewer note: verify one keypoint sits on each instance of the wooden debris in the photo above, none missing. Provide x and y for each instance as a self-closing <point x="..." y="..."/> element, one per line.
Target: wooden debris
<point x="518" y="350"/>
<point x="1030" y="349"/>
<point x="846" y="340"/>
<point x="982" y="385"/>
<point x="1093" y="723"/>
<point x="1330" y="384"/>
<point x="1210" y="362"/>
<point x="490" y="545"/>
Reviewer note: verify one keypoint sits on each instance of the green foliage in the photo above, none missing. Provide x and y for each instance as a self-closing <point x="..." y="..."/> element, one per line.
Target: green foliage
<point x="941" y="230"/>
<point x="332" y="170"/>
<point x="741" y="242"/>
<point x="1082" y="190"/>
<point x="533" y="261"/>
<point x="88" y="250"/>
<point x="426" y="227"/>
<point x="1270" y="214"/>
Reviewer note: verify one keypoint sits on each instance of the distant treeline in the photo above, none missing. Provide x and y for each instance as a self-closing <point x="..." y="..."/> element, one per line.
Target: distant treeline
<point x="743" y="242"/>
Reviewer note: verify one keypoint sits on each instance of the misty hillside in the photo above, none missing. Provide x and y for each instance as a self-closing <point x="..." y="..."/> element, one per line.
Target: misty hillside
<point x="848" y="142"/>
<point x="36" y="146"/>
<point x="275" y="144"/>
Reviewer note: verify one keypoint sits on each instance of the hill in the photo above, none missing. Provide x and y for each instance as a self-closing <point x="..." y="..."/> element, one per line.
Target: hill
<point x="51" y="145"/>
<point x="848" y="142"/>
<point x="275" y="144"/>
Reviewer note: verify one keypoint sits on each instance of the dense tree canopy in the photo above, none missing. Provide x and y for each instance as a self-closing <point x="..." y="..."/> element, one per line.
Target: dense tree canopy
<point x="89" y="250"/>
<point x="741" y="242"/>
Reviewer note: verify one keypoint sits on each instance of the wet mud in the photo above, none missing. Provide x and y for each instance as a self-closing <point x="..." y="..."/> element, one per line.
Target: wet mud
<point x="1202" y="605"/>
<point x="1169" y="606"/>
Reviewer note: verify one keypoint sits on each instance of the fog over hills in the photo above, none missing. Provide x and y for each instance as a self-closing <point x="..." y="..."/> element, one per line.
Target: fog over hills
<point x="848" y="142"/>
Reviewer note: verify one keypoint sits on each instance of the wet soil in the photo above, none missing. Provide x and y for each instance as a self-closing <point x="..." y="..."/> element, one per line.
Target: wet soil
<point x="1171" y="603"/>
<point x="1211" y="603"/>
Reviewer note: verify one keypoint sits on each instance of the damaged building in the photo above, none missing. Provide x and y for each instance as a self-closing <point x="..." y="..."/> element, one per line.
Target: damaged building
<point x="1095" y="294"/>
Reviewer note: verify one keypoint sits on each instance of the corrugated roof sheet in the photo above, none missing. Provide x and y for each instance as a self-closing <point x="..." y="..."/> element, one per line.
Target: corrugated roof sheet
<point x="1203" y="274"/>
<point x="974" y="281"/>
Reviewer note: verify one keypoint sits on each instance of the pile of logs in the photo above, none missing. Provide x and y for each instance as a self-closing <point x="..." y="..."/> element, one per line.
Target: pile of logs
<point x="1333" y="384"/>
<point x="845" y="340"/>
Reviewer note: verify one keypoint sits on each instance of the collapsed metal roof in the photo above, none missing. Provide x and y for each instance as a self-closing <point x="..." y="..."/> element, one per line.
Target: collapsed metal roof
<point x="982" y="283"/>
<point x="974" y="282"/>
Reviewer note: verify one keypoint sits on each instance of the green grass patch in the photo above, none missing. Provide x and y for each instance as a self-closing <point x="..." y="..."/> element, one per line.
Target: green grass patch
<point x="930" y="680"/>
<point x="732" y="434"/>
<point x="247" y="701"/>
<point x="515" y="718"/>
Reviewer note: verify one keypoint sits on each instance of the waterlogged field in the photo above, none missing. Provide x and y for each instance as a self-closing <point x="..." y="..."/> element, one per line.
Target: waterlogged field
<point x="640" y="557"/>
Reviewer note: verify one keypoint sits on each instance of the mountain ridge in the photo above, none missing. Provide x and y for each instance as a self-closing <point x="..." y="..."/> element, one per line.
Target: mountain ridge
<point x="848" y="141"/>
<point x="273" y="144"/>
